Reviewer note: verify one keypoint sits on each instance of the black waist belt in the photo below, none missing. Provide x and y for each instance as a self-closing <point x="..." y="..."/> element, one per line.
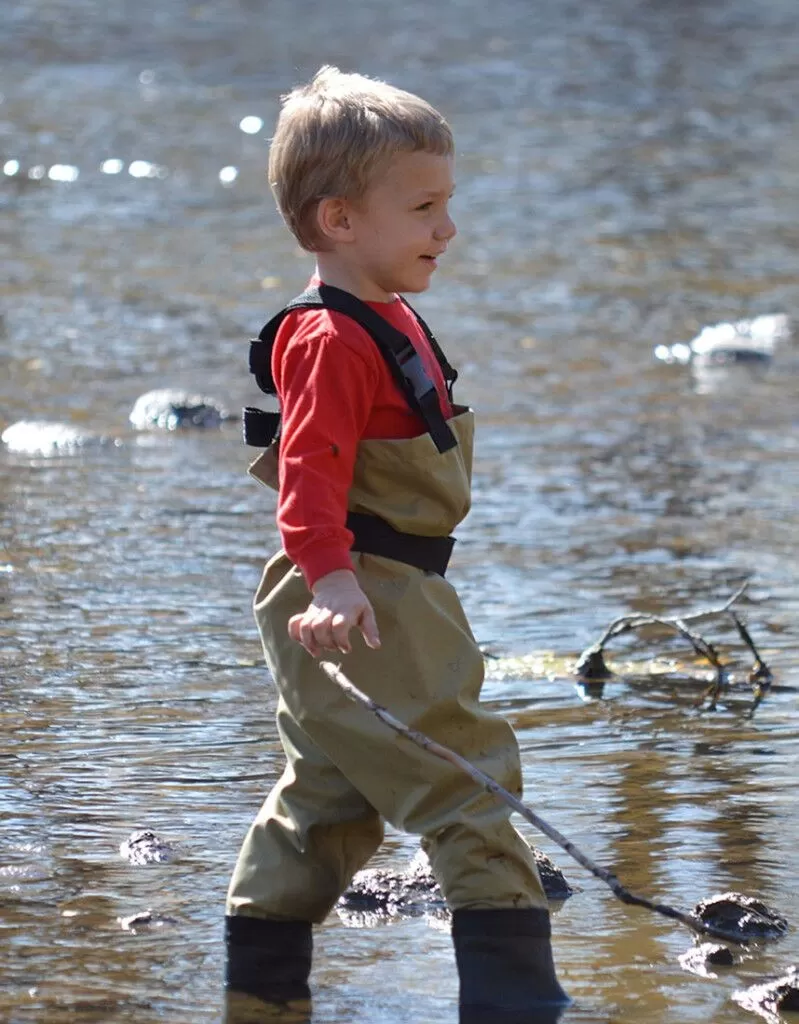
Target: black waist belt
<point x="374" y="536"/>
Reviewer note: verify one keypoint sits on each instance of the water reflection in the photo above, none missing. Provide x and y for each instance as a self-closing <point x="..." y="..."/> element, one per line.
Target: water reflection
<point x="549" y="1016"/>
<point x="241" y="1009"/>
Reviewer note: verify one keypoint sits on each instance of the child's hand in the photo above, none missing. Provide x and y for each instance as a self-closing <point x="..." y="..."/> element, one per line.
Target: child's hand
<point x="338" y="605"/>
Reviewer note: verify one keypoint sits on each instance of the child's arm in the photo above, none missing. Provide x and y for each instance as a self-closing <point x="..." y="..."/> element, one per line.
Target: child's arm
<point x="338" y="605"/>
<point x="326" y="382"/>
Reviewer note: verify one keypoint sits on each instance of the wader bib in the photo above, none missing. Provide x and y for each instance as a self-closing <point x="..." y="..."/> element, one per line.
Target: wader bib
<point x="346" y="772"/>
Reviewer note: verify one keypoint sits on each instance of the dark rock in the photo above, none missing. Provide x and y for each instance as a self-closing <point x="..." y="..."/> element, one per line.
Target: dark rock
<point x="384" y="891"/>
<point x="718" y="955"/>
<point x="592" y="668"/>
<point x="378" y="894"/>
<point x="745" y="918"/>
<point x="552" y="878"/>
<point x="145" y="847"/>
<point x="700" y="957"/>
<point x="173" y="409"/>
<point x="770" y="999"/>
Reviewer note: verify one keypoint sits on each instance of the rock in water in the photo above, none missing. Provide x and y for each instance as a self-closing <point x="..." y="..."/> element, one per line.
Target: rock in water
<point x="771" y="999"/>
<point x="745" y="918"/>
<point x="46" y="437"/>
<point x="145" y="847"/>
<point x="700" y="958"/>
<point x="377" y="894"/>
<point x="172" y="409"/>
<point x="143" y="920"/>
<point x="745" y="341"/>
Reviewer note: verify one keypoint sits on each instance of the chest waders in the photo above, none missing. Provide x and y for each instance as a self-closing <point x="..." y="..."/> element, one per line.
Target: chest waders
<point x="346" y="773"/>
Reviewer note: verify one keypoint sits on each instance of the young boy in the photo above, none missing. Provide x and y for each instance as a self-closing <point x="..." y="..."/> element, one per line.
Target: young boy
<point x="373" y="473"/>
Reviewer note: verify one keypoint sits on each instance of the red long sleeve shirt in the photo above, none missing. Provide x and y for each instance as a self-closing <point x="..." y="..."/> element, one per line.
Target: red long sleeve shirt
<point x="335" y="390"/>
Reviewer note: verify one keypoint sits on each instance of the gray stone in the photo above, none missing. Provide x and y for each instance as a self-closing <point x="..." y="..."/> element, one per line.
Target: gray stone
<point x="173" y="409"/>
<point x="745" y="341"/>
<point x="143" y="921"/>
<point x="145" y="847"/>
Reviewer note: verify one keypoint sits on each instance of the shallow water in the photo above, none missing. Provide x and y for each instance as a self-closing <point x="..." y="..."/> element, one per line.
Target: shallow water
<point x="627" y="173"/>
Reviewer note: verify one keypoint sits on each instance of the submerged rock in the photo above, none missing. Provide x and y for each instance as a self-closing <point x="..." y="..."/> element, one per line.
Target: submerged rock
<point x="47" y="437"/>
<point x="145" y="847"/>
<point x="745" y="341"/>
<point x="700" y="958"/>
<point x="144" y="920"/>
<point x="745" y="918"/>
<point x="770" y="999"/>
<point x="727" y="355"/>
<point x="377" y="894"/>
<point x="173" y="409"/>
<point x="164" y="409"/>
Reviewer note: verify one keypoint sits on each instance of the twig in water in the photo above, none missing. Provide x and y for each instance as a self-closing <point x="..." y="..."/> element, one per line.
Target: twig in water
<point x="426" y="743"/>
<point x="760" y="677"/>
<point x="591" y="666"/>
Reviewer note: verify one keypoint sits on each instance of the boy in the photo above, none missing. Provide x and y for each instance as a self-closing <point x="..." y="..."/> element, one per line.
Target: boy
<point x="373" y="475"/>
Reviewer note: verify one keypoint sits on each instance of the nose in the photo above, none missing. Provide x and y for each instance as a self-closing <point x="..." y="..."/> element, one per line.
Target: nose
<point x="446" y="230"/>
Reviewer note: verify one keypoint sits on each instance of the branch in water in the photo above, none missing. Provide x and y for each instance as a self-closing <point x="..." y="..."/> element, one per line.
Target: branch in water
<point x="591" y="666"/>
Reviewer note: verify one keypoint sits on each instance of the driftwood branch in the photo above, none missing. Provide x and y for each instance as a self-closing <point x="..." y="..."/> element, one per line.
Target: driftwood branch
<point x="760" y="677"/>
<point x="696" y="925"/>
<point x="592" y="668"/>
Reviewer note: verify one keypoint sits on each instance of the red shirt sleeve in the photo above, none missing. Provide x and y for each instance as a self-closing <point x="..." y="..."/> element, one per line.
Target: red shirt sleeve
<point x="326" y="380"/>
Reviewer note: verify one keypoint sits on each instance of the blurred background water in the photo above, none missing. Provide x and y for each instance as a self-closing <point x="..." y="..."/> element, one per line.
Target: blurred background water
<point x="628" y="172"/>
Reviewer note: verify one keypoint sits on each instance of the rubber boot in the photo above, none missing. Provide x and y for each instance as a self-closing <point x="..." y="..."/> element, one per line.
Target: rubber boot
<point x="507" y="975"/>
<point x="267" y="969"/>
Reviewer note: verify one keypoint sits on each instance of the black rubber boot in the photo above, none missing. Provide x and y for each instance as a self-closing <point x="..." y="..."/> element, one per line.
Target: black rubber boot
<point x="505" y="966"/>
<point x="268" y="961"/>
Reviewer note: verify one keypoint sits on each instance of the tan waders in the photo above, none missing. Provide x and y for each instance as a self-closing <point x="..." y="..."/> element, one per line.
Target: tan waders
<point x="346" y="772"/>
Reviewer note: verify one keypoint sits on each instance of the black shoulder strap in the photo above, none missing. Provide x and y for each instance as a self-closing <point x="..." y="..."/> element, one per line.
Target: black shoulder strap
<point x="261" y="428"/>
<point x="450" y="374"/>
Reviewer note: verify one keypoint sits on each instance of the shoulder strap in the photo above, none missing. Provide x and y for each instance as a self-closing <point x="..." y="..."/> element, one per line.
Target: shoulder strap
<point x="450" y="374"/>
<point x="261" y="428"/>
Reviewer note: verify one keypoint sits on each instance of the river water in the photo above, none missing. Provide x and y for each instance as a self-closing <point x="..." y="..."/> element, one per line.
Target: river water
<point x="628" y="172"/>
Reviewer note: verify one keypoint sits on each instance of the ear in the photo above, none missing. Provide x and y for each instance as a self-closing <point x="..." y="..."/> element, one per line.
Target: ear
<point x="333" y="219"/>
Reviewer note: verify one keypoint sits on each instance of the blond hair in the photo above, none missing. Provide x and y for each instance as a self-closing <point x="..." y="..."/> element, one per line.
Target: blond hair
<point x="335" y="133"/>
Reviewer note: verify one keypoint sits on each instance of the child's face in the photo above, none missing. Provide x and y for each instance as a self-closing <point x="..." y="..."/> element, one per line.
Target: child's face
<point x="402" y="225"/>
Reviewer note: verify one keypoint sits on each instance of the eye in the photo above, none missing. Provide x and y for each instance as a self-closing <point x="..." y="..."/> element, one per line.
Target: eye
<point x="425" y="206"/>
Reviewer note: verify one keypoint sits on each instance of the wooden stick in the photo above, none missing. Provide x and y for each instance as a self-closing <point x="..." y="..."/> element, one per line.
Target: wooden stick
<point x="696" y="925"/>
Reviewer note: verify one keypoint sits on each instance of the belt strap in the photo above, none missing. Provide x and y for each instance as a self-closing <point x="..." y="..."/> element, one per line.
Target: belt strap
<point x="374" y="536"/>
